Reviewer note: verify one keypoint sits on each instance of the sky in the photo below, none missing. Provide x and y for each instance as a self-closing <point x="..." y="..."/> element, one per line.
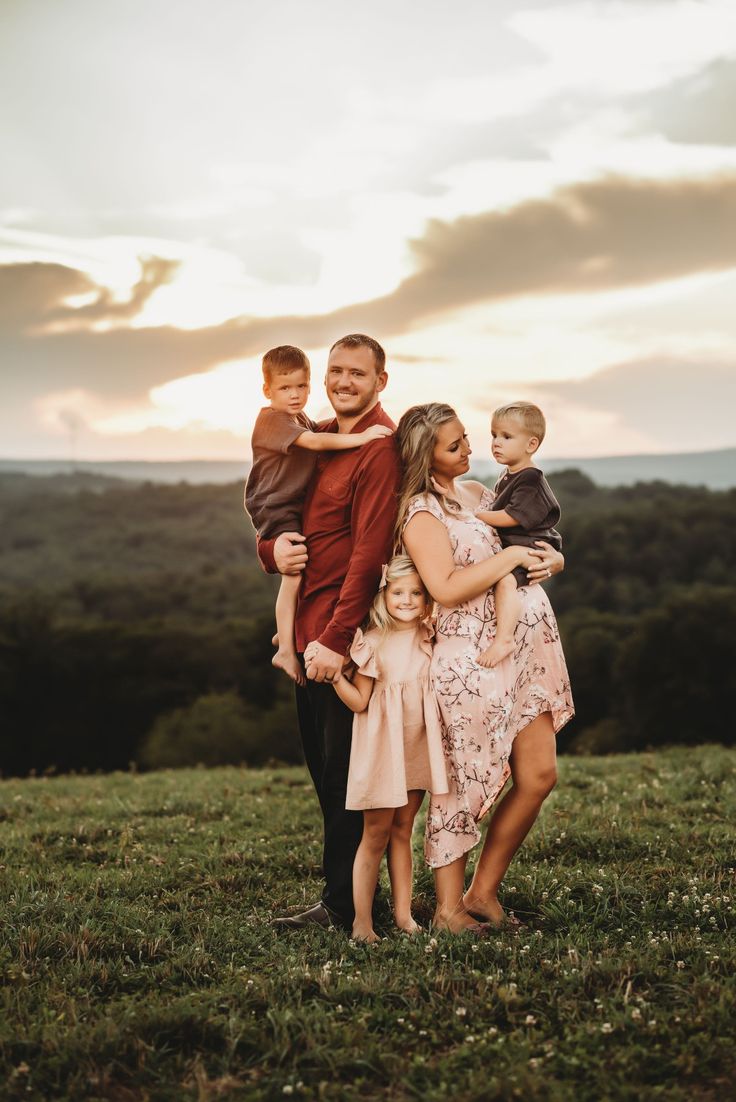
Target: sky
<point x="531" y="199"/>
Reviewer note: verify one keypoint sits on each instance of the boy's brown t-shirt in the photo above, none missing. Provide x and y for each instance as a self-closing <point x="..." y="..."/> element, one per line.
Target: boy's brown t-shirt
<point x="278" y="479"/>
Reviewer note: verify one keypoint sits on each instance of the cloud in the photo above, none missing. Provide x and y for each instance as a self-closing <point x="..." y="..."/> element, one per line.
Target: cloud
<point x="675" y="403"/>
<point x="592" y="236"/>
<point x="698" y="110"/>
<point x="155" y="272"/>
<point x="35" y="294"/>
<point x="589" y="237"/>
<point x="29" y="292"/>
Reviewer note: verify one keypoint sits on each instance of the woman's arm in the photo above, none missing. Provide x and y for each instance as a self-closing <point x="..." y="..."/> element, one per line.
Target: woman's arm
<point x="427" y="542"/>
<point x="340" y="441"/>
<point x="355" y="693"/>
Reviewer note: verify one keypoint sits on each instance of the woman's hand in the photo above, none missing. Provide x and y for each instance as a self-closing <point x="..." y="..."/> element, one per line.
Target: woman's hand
<point x="546" y="562"/>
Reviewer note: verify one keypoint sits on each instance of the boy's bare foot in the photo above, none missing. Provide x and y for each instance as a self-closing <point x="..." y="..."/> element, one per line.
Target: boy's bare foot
<point x="290" y="664"/>
<point x="408" y="925"/>
<point x="499" y="649"/>
<point x="364" y="933"/>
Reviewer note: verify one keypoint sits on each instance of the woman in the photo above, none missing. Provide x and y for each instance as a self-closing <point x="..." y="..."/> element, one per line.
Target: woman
<point x="497" y="721"/>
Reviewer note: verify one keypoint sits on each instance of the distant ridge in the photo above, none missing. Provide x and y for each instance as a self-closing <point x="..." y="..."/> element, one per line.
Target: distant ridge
<point x="137" y="470"/>
<point x="715" y="469"/>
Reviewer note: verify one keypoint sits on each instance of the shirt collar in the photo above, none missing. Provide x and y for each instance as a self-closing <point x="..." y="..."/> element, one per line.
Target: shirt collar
<point x="372" y="417"/>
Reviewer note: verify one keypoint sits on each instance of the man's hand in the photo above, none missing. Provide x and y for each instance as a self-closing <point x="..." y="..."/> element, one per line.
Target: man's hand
<point x="322" y="664"/>
<point x="290" y="553"/>
<point x="548" y="562"/>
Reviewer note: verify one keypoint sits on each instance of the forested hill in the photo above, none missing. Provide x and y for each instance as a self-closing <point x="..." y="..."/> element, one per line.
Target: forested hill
<point x="135" y="621"/>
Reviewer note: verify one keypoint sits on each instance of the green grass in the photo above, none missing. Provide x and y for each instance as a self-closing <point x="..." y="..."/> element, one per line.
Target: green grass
<point x="138" y="963"/>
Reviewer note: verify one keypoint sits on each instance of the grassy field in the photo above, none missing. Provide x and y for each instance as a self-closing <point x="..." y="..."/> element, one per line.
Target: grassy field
<point x="138" y="962"/>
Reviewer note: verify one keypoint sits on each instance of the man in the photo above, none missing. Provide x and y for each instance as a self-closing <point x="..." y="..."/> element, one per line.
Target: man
<point x="348" y="520"/>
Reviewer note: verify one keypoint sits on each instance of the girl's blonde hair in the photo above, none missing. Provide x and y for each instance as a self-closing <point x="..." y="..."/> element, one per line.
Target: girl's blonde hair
<point x="379" y="616"/>
<point x="416" y="435"/>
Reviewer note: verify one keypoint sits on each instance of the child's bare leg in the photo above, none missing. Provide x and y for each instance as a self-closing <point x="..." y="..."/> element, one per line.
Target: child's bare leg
<point x="400" y="865"/>
<point x="508" y="608"/>
<point x="285" y="657"/>
<point x="376" y="833"/>
<point x="449" y="885"/>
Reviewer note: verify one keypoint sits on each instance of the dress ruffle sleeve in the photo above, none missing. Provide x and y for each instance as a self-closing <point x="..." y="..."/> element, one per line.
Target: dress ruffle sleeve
<point x="362" y="652"/>
<point x="426" y="636"/>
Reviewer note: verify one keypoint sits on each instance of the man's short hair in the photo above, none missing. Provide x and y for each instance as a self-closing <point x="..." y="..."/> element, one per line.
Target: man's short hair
<point x="360" y="340"/>
<point x="282" y="360"/>
<point x="530" y="416"/>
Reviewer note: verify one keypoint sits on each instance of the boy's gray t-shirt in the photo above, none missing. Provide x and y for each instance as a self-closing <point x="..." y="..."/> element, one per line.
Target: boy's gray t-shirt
<point x="280" y="474"/>
<point x="527" y="497"/>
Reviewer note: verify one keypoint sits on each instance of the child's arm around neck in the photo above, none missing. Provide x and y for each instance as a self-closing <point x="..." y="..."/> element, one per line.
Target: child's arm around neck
<point x="340" y="441"/>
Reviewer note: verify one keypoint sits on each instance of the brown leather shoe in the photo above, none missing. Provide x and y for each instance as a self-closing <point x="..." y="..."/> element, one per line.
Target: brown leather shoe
<point x="315" y="916"/>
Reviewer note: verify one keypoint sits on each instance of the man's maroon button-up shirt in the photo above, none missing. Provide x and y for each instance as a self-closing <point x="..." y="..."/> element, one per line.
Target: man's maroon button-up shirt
<point x="348" y="520"/>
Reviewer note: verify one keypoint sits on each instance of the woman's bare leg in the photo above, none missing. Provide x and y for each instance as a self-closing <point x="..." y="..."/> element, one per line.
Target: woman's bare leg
<point x="376" y="833"/>
<point x="400" y="864"/>
<point x="534" y="773"/>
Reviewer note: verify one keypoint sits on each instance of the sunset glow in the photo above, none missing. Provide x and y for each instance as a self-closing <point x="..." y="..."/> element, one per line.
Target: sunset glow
<point x="536" y="200"/>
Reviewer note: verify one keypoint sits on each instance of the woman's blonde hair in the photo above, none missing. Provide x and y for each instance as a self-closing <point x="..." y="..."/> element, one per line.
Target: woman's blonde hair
<point x="379" y="616"/>
<point x="416" y="436"/>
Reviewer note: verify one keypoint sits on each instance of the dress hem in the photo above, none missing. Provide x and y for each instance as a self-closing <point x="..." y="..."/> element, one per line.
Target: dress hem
<point x="559" y="720"/>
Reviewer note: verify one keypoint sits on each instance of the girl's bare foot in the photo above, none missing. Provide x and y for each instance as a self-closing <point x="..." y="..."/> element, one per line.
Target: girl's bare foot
<point x="499" y="649"/>
<point x="408" y="925"/>
<point x="275" y="640"/>
<point x="290" y="664"/>
<point x="364" y="933"/>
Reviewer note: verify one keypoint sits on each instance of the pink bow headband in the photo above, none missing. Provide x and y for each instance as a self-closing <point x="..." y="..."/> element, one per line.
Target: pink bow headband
<point x="384" y="573"/>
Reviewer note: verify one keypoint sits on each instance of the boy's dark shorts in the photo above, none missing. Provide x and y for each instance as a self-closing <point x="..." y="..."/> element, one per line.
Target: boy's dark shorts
<point x="524" y="539"/>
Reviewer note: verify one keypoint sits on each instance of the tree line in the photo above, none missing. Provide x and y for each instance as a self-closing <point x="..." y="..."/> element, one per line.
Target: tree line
<point x="135" y="623"/>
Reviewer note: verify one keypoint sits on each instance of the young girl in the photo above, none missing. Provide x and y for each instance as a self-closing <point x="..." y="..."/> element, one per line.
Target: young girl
<point x="396" y="752"/>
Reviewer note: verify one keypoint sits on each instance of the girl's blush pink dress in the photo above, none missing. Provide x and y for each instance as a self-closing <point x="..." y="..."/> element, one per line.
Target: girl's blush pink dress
<point x="397" y="740"/>
<point x="483" y="710"/>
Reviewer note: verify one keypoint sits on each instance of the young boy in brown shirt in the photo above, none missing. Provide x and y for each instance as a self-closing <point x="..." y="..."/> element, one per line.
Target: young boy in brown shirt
<point x="285" y="444"/>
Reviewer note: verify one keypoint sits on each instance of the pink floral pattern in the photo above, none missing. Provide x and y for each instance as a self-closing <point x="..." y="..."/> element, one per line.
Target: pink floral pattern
<point x="483" y="710"/>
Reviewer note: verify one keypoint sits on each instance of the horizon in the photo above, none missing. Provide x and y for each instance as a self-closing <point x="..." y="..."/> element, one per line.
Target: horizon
<point x="81" y="461"/>
<point x="533" y="219"/>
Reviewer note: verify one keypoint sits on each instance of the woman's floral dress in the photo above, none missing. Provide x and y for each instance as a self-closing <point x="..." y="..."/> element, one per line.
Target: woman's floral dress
<point x="483" y="710"/>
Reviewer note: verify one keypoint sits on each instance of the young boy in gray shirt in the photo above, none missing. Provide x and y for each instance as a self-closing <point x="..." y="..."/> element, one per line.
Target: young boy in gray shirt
<point x="524" y="510"/>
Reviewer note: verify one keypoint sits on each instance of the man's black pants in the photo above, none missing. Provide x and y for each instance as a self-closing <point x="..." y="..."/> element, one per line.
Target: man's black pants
<point x="326" y="727"/>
